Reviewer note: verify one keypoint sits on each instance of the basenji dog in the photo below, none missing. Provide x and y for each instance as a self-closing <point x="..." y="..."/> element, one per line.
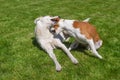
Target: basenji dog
<point x="83" y="32"/>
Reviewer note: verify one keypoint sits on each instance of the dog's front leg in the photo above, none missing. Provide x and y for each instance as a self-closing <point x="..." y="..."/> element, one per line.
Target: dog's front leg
<point x="73" y="45"/>
<point x="92" y="46"/>
<point x="49" y="49"/>
<point x="73" y="59"/>
<point x="53" y="57"/>
<point x="63" y="47"/>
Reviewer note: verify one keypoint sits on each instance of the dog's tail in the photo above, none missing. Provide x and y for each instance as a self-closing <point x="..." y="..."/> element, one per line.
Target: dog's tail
<point x="86" y="20"/>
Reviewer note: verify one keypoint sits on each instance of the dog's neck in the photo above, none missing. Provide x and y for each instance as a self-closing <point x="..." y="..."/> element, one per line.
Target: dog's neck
<point x="65" y="23"/>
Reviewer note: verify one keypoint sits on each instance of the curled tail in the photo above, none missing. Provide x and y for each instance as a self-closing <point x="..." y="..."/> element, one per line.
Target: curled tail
<point x="86" y="20"/>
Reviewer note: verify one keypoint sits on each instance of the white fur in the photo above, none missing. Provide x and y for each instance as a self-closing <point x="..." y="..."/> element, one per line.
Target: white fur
<point x="86" y="20"/>
<point x="76" y="33"/>
<point x="48" y="42"/>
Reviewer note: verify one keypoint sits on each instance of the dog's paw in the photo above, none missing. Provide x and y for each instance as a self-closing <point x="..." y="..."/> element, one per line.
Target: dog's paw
<point x="100" y="57"/>
<point x="69" y="49"/>
<point x="58" y="68"/>
<point x="75" y="61"/>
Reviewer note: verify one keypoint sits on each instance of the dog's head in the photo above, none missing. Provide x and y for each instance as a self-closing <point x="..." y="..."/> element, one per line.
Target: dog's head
<point x="48" y="20"/>
<point x="57" y="27"/>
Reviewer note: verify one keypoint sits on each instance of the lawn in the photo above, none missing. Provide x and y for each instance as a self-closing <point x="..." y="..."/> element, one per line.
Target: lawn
<point x="22" y="59"/>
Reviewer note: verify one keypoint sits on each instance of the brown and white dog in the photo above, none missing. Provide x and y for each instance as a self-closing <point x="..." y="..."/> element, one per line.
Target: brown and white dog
<point x="48" y="41"/>
<point x="83" y="32"/>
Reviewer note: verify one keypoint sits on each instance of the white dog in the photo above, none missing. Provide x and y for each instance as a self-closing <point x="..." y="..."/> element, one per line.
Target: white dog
<point x="83" y="32"/>
<point x="47" y="41"/>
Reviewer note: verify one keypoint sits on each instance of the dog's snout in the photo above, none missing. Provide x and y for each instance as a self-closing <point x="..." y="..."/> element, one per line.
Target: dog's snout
<point x="52" y="30"/>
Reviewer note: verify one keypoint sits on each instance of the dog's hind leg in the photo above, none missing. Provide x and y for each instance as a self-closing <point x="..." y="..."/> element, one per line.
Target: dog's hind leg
<point x="92" y="46"/>
<point x="74" y="45"/>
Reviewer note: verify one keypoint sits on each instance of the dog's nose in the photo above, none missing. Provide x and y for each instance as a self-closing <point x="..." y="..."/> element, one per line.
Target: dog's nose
<point x="52" y="30"/>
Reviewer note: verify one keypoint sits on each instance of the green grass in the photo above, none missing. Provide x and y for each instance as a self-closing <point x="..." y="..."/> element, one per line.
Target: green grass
<point x="21" y="59"/>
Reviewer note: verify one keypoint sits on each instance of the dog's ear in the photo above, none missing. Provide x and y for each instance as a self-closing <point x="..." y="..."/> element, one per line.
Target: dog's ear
<point x="55" y="19"/>
<point x="37" y="19"/>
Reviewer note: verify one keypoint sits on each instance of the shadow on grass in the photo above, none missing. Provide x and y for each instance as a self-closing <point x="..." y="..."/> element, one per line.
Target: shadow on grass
<point x="35" y="43"/>
<point x="80" y="48"/>
<point x="83" y="48"/>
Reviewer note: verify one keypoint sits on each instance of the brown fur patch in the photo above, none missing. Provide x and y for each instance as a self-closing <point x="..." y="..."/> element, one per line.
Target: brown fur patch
<point x="55" y="19"/>
<point x="87" y="29"/>
<point x="56" y="26"/>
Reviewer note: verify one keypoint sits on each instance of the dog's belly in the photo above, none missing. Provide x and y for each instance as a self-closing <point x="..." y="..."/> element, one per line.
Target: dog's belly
<point x="82" y="41"/>
<point x="79" y="37"/>
<point x="71" y="33"/>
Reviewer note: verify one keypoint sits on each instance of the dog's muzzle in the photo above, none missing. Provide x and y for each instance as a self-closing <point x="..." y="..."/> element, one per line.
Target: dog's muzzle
<point x="52" y="30"/>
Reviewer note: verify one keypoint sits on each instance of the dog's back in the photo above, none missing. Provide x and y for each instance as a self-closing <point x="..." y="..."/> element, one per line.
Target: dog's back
<point x="89" y="31"/>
